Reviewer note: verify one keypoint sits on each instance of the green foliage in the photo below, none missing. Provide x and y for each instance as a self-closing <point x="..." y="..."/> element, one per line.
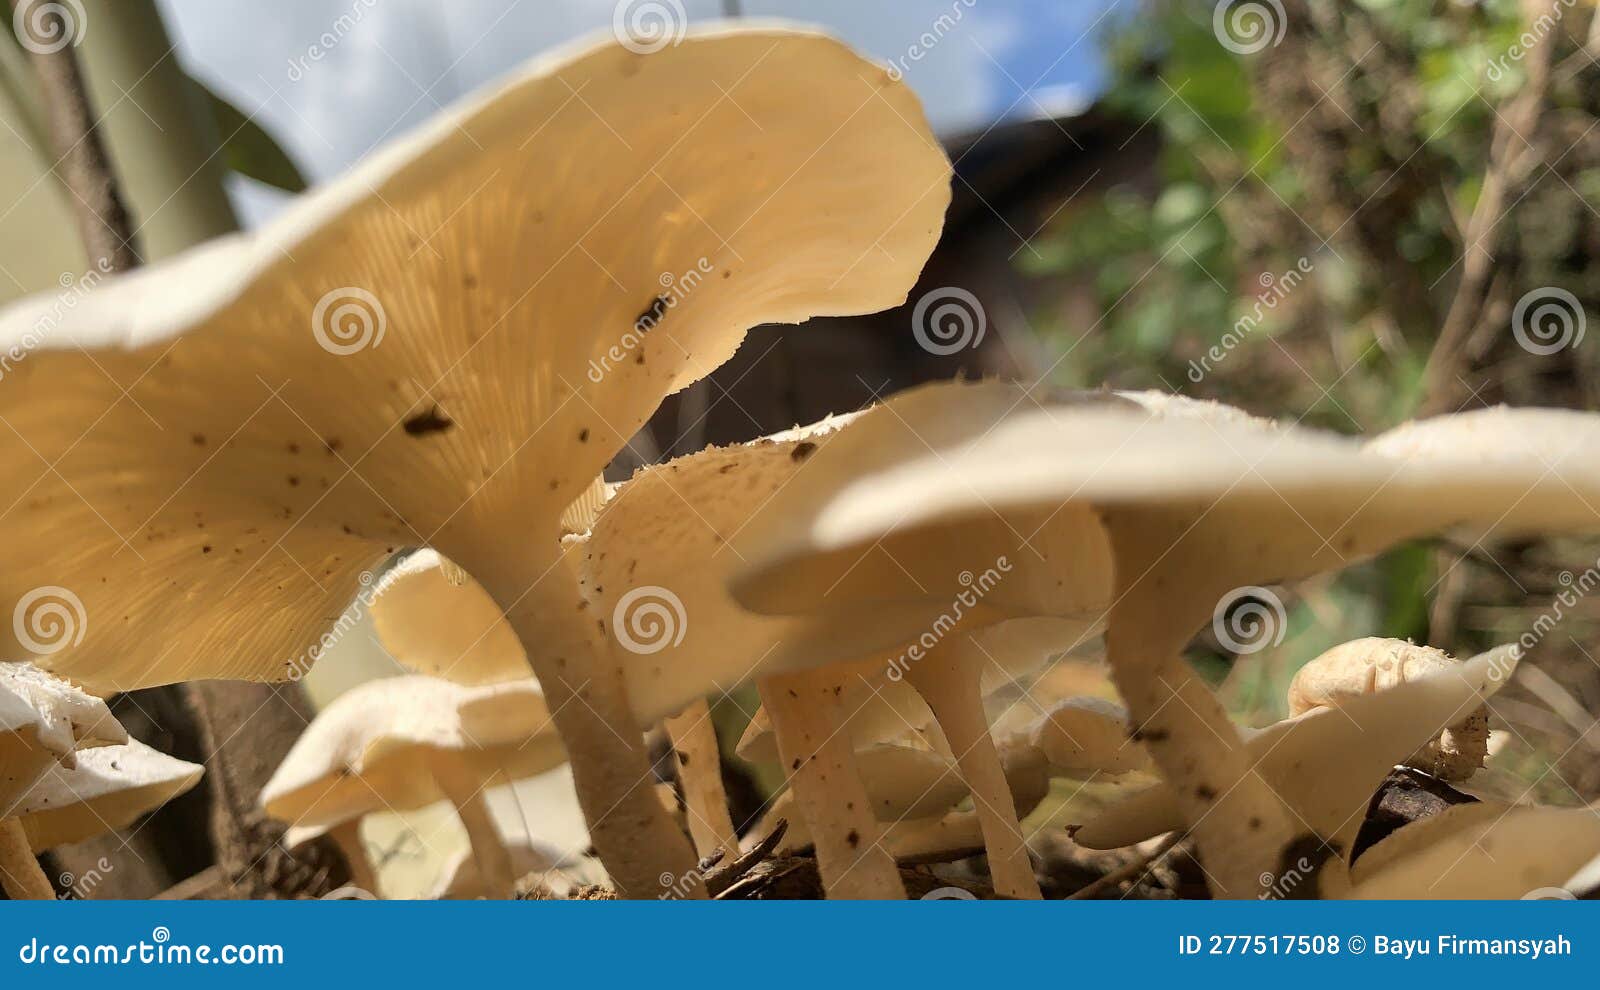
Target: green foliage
<point x="250" y="150"/>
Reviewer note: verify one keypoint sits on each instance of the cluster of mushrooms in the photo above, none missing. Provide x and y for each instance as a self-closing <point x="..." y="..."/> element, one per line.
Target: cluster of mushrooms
<point x="212" y="452"/>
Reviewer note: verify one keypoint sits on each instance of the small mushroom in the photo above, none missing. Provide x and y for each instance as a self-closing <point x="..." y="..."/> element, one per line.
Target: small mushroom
<point x="400" y="743"/>
<point x="108" y="789"/>
<point x="1198" y="499"/>
<point x="1325" y="764"/>
<point x="425" y="351"/>
<point x="1365" y="666"/>
<point x="44" y="721"/>
<point x="914" y="790"/>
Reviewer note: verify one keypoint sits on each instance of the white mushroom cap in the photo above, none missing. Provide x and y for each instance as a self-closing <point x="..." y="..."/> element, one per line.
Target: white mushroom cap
<point x="1364" y="666"/>
<point x="379" y="748"/>
<point x="109" y="788"/>
<point x="1325" y="765"/>
<point x="43" y="721"/>
<point x="1088" y="735"/>
<point x="1322" y="500"/>
<point x="1478" y="851"/>
<point x="667" y="540"/>
<point x="425" y="351"/>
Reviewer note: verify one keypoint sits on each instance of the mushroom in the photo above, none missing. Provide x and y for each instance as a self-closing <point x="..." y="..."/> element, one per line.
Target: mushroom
<point x="699" y="759"/>
<point x="1325" y="764"/>
<point x="1364" y="666"/>
<point x="460" y="880"/>
<point x="913" y="789"/>
<point x="445" y="348"/>
<point x="1483" y="850"/>
<point x="43" y="722"/>
<point x="653" y="569"/>
<point x="400" y="743"/>
<point x="108" y="789"/>
<point x="1198" y="499"/>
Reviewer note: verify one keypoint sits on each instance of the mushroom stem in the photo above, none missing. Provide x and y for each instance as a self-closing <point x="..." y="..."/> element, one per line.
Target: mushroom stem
<point x="1167" y="587"/>
<point x="818" y="754"/>
<point x="947" y="678"/>
<point x="488" y="848"/>
<point x="637" y="841"/>
<point x="694" y="739"/>
<point x="20" y="875"/>
<point x="347" y="837"/>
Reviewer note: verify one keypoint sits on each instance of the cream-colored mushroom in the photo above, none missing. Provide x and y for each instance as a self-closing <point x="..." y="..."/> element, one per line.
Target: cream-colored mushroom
<point x="44" y="721"/>
<point x="460" y="880"/>
<point x="914" y="790"/>
<point x="1198" y="499"/>
<point x="1484" y="850"/>
<point x="1326" y="764"/>
<point x="1364" y="666"/>
<point x="445" y="347"/>
<point x="400" y="743"/>
<point x="108" y="789"/>
<point x="653" y="572"/>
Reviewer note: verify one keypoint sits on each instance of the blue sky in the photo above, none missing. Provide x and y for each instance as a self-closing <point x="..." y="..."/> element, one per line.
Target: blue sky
<point x="399" y="61"/>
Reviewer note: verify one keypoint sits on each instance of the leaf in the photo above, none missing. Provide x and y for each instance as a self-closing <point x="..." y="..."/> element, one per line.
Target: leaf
<point x="249" y="149"/>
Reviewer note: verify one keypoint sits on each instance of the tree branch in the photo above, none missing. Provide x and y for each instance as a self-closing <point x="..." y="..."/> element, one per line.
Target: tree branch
<point x="82" y="163"/>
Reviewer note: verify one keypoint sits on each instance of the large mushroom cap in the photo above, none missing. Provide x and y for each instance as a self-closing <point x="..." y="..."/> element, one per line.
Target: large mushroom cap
<point x="427" y="351"/>
<point x="43" y="721"/>
<point x="374" y="748"/>
<point x="1303" y="500"/>
<point x="1479" y="851"/>
<point x="109" y="788"/>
